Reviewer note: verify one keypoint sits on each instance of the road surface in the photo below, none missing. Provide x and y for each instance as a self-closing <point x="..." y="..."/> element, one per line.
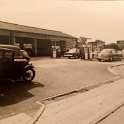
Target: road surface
<point x="53" y="77"/>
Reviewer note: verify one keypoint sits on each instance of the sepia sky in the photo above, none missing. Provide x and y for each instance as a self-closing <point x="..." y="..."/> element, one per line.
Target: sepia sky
<point x="94" y="19"/>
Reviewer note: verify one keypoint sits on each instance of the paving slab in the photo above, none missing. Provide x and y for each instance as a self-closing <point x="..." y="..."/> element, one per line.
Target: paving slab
<point x="116" y="117"/>
<point x="21" y="118"/>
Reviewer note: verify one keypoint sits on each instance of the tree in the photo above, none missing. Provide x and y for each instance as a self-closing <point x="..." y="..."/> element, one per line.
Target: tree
<point x="83" y="40"/>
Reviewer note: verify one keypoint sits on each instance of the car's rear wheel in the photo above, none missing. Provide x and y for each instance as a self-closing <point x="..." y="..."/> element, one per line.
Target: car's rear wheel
<point x="75" y="56"/>
<point x="28" y="75"/>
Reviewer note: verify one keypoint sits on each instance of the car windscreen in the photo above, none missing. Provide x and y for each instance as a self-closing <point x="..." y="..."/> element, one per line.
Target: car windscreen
<point x="74" y="50"/>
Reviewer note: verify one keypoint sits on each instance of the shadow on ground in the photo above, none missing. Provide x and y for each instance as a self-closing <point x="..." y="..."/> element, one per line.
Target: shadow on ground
<point x="14" y="92"/>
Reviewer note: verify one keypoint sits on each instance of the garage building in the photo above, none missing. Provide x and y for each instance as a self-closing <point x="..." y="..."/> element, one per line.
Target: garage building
<point x="37" y="41"/>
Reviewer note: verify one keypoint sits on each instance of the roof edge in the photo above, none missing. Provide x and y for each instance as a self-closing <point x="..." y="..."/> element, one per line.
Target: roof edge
<point x="27" y="26"/>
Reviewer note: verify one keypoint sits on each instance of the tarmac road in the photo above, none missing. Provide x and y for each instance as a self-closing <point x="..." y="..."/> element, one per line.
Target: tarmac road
<point x="53" y="77"/>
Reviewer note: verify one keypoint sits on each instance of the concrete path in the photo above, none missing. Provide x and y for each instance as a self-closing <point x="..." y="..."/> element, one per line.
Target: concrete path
<point x="85" y="108"/>
<point x="17" y="119"/>
<point x="115" y="118"/>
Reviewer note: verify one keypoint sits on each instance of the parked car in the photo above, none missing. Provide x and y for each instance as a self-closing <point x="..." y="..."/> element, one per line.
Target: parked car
<point x="122" y="53"/>
<point x="72" y="53"/>
<point x="15" y="64"/>
<point x="109" y="55"/>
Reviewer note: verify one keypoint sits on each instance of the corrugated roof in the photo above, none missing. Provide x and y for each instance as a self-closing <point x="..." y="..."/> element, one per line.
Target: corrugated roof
<point x="28" y="29"/>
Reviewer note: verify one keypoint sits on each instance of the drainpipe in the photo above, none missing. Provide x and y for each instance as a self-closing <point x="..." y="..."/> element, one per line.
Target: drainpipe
<point x="35" y="47"/>
<point x="12" y="38"/>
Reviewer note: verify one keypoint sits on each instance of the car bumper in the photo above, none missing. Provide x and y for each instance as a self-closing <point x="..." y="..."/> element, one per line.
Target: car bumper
<point x="68" y="55"/>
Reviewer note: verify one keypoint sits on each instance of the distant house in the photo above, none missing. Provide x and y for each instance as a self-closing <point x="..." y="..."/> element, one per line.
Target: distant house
<point x="37" y="41"/>
<point x="96" y="45"/>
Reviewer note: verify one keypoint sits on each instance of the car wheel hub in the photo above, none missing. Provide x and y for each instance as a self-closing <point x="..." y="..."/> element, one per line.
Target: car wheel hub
<point x="28" y="75"/>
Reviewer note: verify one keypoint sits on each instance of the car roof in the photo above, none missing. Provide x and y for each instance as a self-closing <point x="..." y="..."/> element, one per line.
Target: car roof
<point x="9" y="47"/>
<point x="6" y="49"/>
<point x="108" y="49"/>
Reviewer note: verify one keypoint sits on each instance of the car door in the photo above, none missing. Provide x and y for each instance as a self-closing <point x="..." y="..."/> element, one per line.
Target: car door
<point x="114" y="55"/>
<point x="6" y="64"/>
<point x="1" y="64"/>
<point x="19" y="63"/>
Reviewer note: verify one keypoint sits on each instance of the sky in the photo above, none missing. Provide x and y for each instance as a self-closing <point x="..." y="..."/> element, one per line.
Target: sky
<point x="103" y="20"/>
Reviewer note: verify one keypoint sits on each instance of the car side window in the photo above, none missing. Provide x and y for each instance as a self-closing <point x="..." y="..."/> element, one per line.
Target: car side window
<point x="7" y="56"/>
<point x="17" y="55"/>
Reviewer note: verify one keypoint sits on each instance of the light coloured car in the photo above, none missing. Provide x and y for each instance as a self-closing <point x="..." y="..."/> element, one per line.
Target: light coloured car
<point x="109" y="55"/>
<point x="123" y="53"/>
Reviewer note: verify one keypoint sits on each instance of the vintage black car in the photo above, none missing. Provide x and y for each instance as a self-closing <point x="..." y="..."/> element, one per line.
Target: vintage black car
<point x="15" y="64"/>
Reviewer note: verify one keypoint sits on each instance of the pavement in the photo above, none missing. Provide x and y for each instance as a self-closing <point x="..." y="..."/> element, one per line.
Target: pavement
<point x="104" y="105"/>
<point x="53" y="77"/>
<point x="21" y="118"/>
<point x="86" y="108"/>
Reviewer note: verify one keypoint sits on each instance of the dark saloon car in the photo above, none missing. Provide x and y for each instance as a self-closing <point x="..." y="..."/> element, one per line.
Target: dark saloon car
<point x="72" y="53"/>
<point x="15" y="64"/>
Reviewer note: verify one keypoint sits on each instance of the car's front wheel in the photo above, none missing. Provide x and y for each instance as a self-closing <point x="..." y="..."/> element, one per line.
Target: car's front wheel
<point x="99" y="60"/>
<point x="28" y="75"/>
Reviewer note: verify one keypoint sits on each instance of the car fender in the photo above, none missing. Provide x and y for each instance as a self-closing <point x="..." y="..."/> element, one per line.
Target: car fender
<point x="30" y="66"/>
